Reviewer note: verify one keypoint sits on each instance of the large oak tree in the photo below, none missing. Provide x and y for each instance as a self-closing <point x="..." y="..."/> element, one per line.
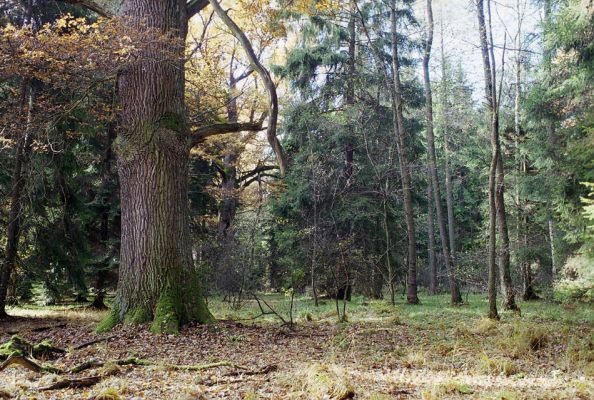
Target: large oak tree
<point x="157" y="280"/>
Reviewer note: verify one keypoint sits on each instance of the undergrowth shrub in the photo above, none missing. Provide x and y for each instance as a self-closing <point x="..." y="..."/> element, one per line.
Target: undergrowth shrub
<point x="320" y="382"/>
<point x="497" y="366"/>
<point x="521" y="339"/>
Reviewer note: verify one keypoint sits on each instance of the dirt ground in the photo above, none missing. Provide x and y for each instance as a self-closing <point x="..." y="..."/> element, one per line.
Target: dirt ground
<point x="384" y="352"/>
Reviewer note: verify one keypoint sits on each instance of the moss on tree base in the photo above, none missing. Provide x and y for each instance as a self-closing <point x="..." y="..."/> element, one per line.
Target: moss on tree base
<point x="171" y="311"/>
<point x="108" y="322"/>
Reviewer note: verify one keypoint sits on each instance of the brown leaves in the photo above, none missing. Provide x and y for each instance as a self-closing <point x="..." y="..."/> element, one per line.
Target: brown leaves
<point x="72" y="51"/>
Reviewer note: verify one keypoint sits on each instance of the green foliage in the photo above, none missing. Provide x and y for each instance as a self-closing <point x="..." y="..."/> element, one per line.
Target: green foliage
<point x="577" y="281"/>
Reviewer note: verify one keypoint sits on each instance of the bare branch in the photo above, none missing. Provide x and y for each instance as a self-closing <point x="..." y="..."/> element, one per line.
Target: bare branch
<point x="265" y="75"/>
<point x="259" y="169"/>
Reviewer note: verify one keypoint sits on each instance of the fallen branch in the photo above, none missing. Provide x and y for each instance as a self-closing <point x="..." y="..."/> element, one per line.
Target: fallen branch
<point x="29" y="364"/>
<point x="97" y="364"/>
<point x="38" y="329"/>
<point x="262" y="371"/>
<point x="73" y="383"/>
<point x="22" y="361"/>
<point x="92" y="342"/>
<point x="271" y="311"/>
<point x="202" y="367"/>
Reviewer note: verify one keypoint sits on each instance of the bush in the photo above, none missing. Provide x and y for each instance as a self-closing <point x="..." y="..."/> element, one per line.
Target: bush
<point x="577" y="282"/>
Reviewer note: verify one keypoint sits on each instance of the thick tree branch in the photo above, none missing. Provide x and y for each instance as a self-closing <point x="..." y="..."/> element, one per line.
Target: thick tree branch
<point x="110" y="8"/>
<point x="221" y="128"/>
<point x="105" y="8"/>
<point x="259" y="169"/>
<point x="257" y="178"/>
<point x="193" y="7"/>
<point x="265" y="75"/>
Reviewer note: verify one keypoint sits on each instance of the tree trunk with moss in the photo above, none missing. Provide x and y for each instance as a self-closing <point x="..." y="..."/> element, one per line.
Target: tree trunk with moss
<point x="157" y="280"/>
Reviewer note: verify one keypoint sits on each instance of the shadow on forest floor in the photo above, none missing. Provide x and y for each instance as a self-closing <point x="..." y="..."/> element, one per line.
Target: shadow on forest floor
<point x="428" y="351"/>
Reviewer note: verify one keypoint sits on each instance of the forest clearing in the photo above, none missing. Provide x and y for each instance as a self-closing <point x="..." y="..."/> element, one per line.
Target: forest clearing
<point x="425" y="351"/>
<point x="297" y="199"/>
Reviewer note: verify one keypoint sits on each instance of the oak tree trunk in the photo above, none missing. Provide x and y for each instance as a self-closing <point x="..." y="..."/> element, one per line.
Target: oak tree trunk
<point x="157" y="280"/>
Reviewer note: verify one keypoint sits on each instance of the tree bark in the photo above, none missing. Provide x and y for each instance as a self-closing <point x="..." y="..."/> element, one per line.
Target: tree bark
<point x="400" y="131"/>
<point x="507" y="289"/>
<point x="552" y="245"/>
<point x="446" y="151"/>
<point x="157" y="280"/>
<point x="434" y="179"/>
<point x="491" y="262"/>
<point x="103" y="273"/>
<point x="19" y="177"/>
<point x="350" y="93"/>
<point x="23" y="151"/>
<point x="228" y="204"/>
<point x="431" y="239"/>
<point x="391" y="278"/>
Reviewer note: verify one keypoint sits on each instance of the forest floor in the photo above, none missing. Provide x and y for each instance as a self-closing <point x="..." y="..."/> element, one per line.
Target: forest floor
<point x="427" y="351"/>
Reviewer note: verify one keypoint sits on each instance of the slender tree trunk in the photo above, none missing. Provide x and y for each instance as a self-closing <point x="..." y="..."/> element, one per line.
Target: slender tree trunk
<point x="388" y="250"/>
<point x="522" y="167"/>
<point x="157" y="280"/>
<point x="434" y="178"/>
<point x="431" y="239"/>
<point x="228" y="203"/>
<point x="350" y="94"/>
<point x="19" y="177"/>
<point x="507" y="289"/>
<point x="102" y="274"/>
<point x="446" y="152"/>
<point x="491" y="262"/>
<point x="314" y="256"/>
<point x="553" y="252"/>
<point x="552" y="136"/>
<point x="400" y="131"/>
